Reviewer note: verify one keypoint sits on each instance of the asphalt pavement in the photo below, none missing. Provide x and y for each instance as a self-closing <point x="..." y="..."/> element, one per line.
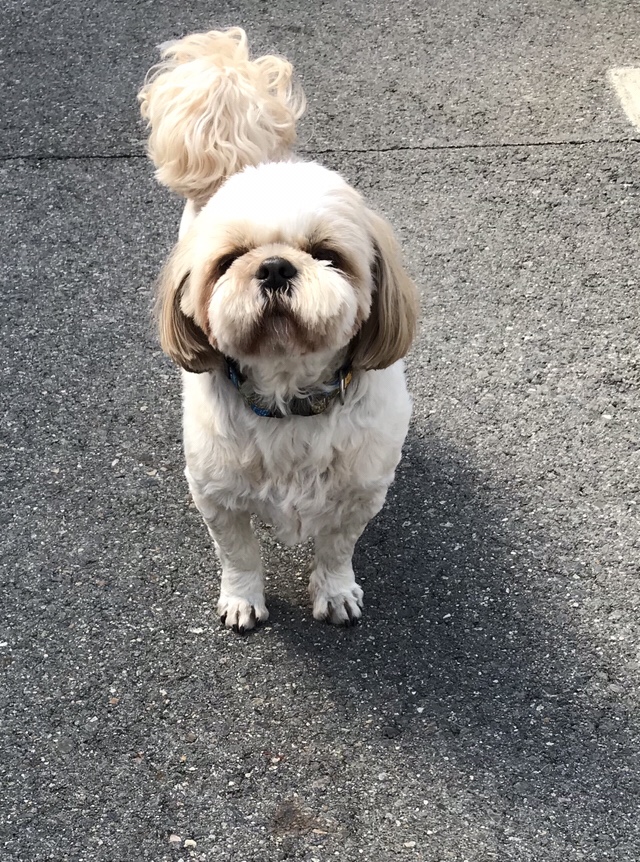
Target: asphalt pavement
<point x="488" y="706"/>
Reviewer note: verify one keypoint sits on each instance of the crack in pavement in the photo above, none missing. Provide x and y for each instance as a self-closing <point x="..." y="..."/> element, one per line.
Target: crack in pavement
<point x="42" y="157"/>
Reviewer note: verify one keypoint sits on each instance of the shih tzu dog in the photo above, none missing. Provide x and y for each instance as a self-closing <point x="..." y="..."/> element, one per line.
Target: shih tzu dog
<point x="286" y="305"/>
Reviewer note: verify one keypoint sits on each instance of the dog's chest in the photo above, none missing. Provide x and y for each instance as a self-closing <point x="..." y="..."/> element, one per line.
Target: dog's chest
<point x="300" y="482"/>
<point x="298" y="485"/>
<point x="306" y="475"/>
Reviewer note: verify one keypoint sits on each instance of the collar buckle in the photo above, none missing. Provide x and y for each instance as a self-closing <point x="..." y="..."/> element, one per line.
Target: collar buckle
<point x="343" y="385"/>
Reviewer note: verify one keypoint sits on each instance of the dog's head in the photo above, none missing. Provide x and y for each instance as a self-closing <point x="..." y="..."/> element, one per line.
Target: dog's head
<point x="286" y="261"/>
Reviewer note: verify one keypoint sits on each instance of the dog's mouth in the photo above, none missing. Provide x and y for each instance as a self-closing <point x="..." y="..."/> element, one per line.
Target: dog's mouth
<point x="279" y="326"/>
<point x="279" y="331"/>
<point x="277" y="316"/>
<point x="278" y="304"/>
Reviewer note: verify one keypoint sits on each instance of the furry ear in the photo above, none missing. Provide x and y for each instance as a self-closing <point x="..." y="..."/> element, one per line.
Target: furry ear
<point x="213" y="111"/>
<point x="180" y="336"/>
<point x="387" y="333"/>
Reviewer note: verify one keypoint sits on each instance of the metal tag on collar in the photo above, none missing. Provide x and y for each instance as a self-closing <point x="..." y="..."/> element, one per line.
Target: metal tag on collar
<point x="343" y="386"/>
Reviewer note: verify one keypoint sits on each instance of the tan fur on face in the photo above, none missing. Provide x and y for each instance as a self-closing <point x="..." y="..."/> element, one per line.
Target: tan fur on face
<point x="213" y="111"/>
<point x="310" y="317"/>
<point x="245" y="321"/>
<point x="390" y="328"/>
<point x="193" y="322"/>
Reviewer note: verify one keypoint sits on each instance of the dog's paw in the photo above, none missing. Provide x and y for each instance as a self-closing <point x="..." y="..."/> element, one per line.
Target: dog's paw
<point x="342" y="608"/>
<point x="242" y="614"/>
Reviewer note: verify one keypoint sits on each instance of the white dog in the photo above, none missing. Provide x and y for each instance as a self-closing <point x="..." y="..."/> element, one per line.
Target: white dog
<point x="286" y="305"/>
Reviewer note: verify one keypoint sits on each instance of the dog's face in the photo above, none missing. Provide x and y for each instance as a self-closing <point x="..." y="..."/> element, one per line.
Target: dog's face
<point x="283" y="263"/>
<point x="285" y="260"/>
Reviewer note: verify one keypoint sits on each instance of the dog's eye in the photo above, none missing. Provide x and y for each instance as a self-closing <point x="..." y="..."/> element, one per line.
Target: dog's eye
<point x="321" y="252"/>
<point x="225" y="262"/>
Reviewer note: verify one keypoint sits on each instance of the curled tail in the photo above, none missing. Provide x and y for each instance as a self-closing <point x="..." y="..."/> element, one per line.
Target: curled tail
<point x="212" y="111"/>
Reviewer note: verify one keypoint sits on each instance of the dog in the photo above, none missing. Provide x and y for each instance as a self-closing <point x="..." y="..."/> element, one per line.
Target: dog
<point x="287" y="307"/>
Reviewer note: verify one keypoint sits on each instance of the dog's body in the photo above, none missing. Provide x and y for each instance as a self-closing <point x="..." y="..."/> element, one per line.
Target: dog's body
<point x="325" y="478"/>
<point x="286" y="305"/>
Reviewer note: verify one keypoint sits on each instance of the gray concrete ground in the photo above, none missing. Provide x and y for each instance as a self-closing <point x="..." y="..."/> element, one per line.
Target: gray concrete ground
<point x="488" y="706"/>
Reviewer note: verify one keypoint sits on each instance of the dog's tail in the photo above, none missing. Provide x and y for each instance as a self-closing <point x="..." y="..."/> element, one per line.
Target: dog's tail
<point x="212" y="111"/>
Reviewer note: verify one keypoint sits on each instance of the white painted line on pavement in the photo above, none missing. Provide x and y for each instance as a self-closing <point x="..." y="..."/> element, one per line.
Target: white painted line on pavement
<point x="626" y="83"/>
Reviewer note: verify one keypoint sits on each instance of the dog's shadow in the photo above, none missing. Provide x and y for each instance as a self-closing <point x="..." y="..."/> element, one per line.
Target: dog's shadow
<point x="467" y="642"/>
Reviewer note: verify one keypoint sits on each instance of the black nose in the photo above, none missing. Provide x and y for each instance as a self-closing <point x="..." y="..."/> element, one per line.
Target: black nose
<point x="275" y="273"/>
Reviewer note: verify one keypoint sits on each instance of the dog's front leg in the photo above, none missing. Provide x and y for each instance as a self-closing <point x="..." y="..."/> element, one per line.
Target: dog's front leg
<point x="241" y="604"/>
<point x="336" y="596"/>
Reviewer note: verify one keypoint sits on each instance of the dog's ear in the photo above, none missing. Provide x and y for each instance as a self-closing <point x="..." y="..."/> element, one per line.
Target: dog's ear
<point x="180" y="335"/>
<point x="387" y="333"/>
